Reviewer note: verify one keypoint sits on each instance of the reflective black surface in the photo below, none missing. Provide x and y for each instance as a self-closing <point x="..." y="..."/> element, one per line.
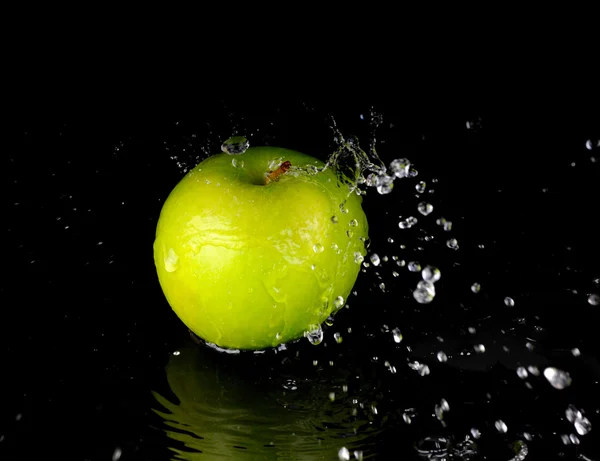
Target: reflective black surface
<point x="97" y="366"/>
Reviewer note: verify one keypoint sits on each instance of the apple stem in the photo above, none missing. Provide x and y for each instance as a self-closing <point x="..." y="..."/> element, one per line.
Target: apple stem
<point x="274" y="175"/>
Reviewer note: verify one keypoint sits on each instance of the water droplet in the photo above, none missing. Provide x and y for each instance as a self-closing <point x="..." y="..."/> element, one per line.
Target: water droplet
<point x="475" y="288"/>
<point x="423" y="294"/>
<point x="375" y="259"/>
<point x="337" y="337"/>
<point x="452" y="244"/>
<point x="589" y="145"/>
<point x="420" y="187"/>
<point x="358" y="455"/>
<point x="237" y="163"/>
<point x="358" y="258"/>
<point x="397" y="335"/>
<point x="338" y="302"/>
<point x="386" y="184"/>
<point x="176" y="352"/>
<point x="420" y="368"/>
<point x="442" y="357"/>
<point x="439" y="413"/>
<point x="400" y="167"/>
<point x="425" y="208"/>
<point x="431" y="274"/>
<point x="533" y="370"/>
<point x="334" y="219"/>
<point x="314" y="334"/>
<point x="435" y="447"/>
<point x="509" y="301"/>
<point x="412" y="173"/>
<point x="476" y="433"/>
<point x="414" y="266"/>
<point x="344" y="454"/>
<point x="501" y="426"/>
<point x="583" y="426"/>
<point x="557" y="378"/>
<point x="117" y="454"/>
<point x="447" y="226"/>
<point x="235" y="145"/>
<point x="382" y="286"/>
<point x="479" y="348"/>
<point x="395" y="274"/>
<point x="576" y="352"/>
<point x="574" y="439"/>
<point x="171" y="260"/>
<point x="349" y="233"/>
<point x="401" y="263"/>
<point x="318" y="248"/>
<point x="353" y="223"/>
<point x="522" y="372"/>
<point x="594" y="299"/>
<point x="573" y="413"/>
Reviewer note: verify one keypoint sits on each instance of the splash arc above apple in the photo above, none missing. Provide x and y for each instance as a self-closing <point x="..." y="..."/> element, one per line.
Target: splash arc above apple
<point x="253" y="250"/>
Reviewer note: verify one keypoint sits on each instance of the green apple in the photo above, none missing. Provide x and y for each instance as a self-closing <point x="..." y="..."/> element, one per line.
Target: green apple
<point x="253" y="250"/>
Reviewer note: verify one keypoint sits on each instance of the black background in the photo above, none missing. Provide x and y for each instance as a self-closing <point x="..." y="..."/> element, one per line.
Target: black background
<point x="86" y="331"/>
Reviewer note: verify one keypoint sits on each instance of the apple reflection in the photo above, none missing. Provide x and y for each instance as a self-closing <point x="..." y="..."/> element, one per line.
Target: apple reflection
<point x="244" y="407"/>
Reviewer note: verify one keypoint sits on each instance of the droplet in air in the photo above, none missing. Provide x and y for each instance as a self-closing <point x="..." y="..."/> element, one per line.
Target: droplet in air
<point x="522" y="372"/>
<point x="475" y="288"/>
<point x="573" y="413"/>
<point x="452" y="244"/>
<point x="424" y="293"/>
<point x="385" y="184"/>
<point x="594" y="299"/>
<point x="337" y="337"/>
<point x="425" y="208"/>
<point x="397" y="335"/>
<point x="557" y="378"/>
<point x="509" y="301"/>
<point x="344" y="454"/>
<point x="442" y="357"/>
<point x="476" y="433"/>
<point x="420" y="187"/>
<point x="414" y="266"/>
<point x="171" y="260"/>
<point x="479" y="348"/>
<point x="420" y="368"/>
<point x="501" y="426"/>
<point x="235" y="145"/>
<point x="431" y="274"/>
<point x="375" y="259"/>
<point x="117" y="454"/>
<point x="583" y="426"/>
<point x="400" y="167"/>
<point x="314" y="334"/>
